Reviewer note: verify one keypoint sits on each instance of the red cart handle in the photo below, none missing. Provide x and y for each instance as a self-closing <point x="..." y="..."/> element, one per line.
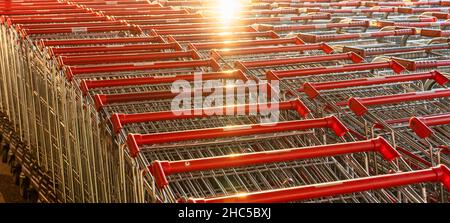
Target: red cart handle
<point x="313" y="38"/>
<point x="362" y="10"/>
<point x="359" y="105"/>
<point x="312" y="4"/>
<point x="224" y="36"/>
<point x="42" y="11"/>
<point x="306" y="59"/>
<point x="151" y="39"/>
<point x="425" y="64"/>
<point x="413" y="24"/>
<point x="101" y="100"/>
<point x="421" y="10"/>
<point x="134" y="141"/>
<point x="440" y="173"/>
<point x="115" y="48"/>
<point x="245" y="43"/>
<point x="217" y="54"/>
<point x="392" y="50"/>
<point x="32" y="20"/>
<point x="93" y="29"/>
<point x="394" y="65"/>
<point x="161" y="169"/>
<point x="119" y="120"/>
<point x="421" y="125"/>
<point x="438" y="15"/>
<point x="214" y="30"/>
<point x="257" y="20"/>
<point x="125" y="58"/>
<point x="285" y="28"/>
<point x="72" y="25"/>
<point x="71" y="71"/>
<point x="87" y="85"/>
<point x="312" y="89"/>
<point x="434" y="33"/>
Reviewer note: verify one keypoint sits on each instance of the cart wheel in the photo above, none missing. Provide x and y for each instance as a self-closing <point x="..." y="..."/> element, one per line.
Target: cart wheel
<point x="24" y="187"/>
<point x="33" y="195"/>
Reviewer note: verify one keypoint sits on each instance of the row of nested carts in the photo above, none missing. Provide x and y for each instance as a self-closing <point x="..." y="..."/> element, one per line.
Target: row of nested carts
<point x="360" y="90"/>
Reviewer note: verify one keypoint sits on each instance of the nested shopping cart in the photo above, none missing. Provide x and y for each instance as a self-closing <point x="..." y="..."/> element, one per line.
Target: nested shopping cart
<point x="209" y="162"/>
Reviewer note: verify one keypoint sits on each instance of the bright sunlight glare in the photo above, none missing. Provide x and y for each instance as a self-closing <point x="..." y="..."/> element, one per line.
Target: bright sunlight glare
<point x="228" y="10"/>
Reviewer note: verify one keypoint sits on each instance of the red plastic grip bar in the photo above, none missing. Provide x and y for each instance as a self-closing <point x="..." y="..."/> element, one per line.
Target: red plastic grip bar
<point x="174" y="17"/>
<point x="161" y="169"/>
<point x="217" y="54"/>
<point x="425" y="64"/>
<point x="224" y="36"/>
<point x="434" y="33"/>
<point x="320" y="26"/>
<point x="421" y="125"/>
<point x="247" y="43"/>
<point x="60" y="19"/>
<point x="394" y="65"/>
<point x="42" y="11"/>
<point x="306" y="59"/>
<point x="72" y="24"/>
<point x="421" y="10"/>
<point x="213" y="30"/>
<point x="119" y="120"/>
<point x="114" y="48"/>
<point x="383" y="51"/>
<point x="145" y="12"/>
<point x="92" y="29"/>
<point x="87" y="85"/>
<point x="359" y="105"/>
<point x="440" y="15"/>
<point x="440" y="174"/>
<point x="312" y="89"/>
<point x="321" y="5"/>
<point x="259" y="20"/>
<point x="134" y="141"/>
<point x="71" y="71"/>
<point x="313" y="38"/>
<point x="362" y="10"/>
<point x="101" y="100"/>
<point x="124" y="58"/>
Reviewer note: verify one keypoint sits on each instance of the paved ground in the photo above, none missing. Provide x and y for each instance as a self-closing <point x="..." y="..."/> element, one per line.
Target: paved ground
<point x="9" y="192"/>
